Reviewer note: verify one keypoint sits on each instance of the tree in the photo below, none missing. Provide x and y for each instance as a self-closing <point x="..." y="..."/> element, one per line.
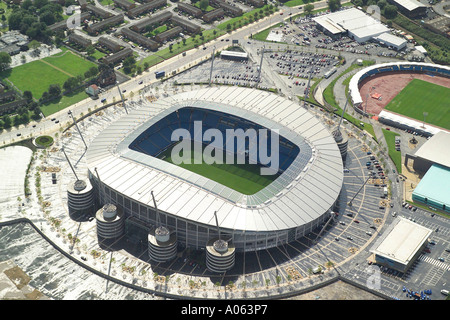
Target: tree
<point x="5" y="61"/>
<point x="333" y="5"/>
<point x="309" y="8"/>
<point x="90" y="50"/>
<point x="390" y="11"/>
<point x="54" y="90"/>
<point x="204" y="4"/>
<point x="129" y="64"/>
<point x="28" y="95"/>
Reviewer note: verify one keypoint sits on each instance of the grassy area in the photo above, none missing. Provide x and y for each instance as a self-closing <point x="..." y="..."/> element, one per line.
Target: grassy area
<point x="98" y="55"/>
<point x="293" y="3"/>
<point x="395" y="155"/>
<point x="37" y="76"/>
<point x="246" y="18"/>
<point x="63" y="102"/>
<point x="328" y="96"/>
<point x="421" y="96"/>
<point x="190" y="43"/>
<point x="70" y="63"/>
<point x="156" y="31"/>
<point x="244" y="178"/>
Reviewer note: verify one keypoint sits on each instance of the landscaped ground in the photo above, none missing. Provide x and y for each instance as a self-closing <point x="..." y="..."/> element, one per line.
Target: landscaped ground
<point x="395" y="155"/>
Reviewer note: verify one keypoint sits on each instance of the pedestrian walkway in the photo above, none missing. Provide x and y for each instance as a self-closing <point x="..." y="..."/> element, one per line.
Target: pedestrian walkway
<point x="434" y="262"/>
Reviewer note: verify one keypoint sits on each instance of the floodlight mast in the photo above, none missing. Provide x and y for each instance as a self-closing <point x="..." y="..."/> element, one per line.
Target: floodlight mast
<point x="70" y="164"/>
<point x="260" y="65"/>
<point x="212" y="66"/>
<point x="343" y="112"/>
<point x="76" y="125"/>
<point x="158" y="218"/>
<point x="308" y="86"/>
<point x="217" y="223"/>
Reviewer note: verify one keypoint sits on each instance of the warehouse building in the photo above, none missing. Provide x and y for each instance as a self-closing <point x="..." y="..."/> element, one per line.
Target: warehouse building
<point x="352" y="22"/>
<point x="389" y="40"/>
<point x="434" y="188"/>
<point x="410" y="8"/>
<point x="434" y="151"/>
<point x="401" y="244"/>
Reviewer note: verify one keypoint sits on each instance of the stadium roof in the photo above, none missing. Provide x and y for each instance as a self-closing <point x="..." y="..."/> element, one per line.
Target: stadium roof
<point x="435" y="185"/>
<point x="436" y="149"/>
<point x="401" y="240"/>
<point x="408" y="122"/>
<point x="303" y="193"/>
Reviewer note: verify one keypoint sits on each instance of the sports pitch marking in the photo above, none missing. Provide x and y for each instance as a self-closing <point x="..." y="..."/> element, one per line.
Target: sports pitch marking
<point x="70" y="75"/>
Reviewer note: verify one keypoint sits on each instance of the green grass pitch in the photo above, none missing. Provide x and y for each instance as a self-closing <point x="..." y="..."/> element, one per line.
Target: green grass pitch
<point x="421" y="96"/>
<point x="37" y="76"/>
<point x="244" y="178"/>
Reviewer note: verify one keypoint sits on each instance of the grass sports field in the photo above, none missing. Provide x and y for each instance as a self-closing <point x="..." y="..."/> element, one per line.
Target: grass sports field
<point x="421" y="96"/>
<point x="37" y="76"/>
<point x="244" y="178"/>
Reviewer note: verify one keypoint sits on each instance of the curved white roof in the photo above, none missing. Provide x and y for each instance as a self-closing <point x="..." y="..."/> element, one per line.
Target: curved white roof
<point x="294" y="199"/>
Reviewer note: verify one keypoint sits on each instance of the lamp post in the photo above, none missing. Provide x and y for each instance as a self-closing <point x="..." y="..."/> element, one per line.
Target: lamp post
<point x="424" y="116"/>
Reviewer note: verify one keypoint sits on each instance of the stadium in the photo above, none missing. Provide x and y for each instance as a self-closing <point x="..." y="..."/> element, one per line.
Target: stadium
<point x="372" y="90"/>
<point x="128" y="167"/>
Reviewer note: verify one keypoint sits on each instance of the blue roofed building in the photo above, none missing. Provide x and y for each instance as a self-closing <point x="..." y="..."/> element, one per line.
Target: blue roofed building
<point x="434" y="188"/>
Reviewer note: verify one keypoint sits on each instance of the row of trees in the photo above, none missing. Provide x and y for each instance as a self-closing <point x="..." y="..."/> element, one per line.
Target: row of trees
<point x="32" y="18"/>
<point x="72" y="84"/>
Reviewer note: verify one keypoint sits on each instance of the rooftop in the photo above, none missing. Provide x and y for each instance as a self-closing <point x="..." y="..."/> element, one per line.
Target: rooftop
<point x="436" y="149"/>
<point x="390" y="38"/>
<point x="401" y="240"/>
<point x="435" y="185"/>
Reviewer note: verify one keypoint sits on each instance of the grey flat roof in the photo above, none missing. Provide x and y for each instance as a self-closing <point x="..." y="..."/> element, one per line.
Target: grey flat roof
<point x="401" y="241"/>
<point x="436" y="149"/>
<point x="304" y="192"/>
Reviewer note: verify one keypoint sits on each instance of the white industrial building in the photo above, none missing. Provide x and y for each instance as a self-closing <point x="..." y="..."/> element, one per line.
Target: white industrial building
<point x="401" y="244"/>
<point x="389" y="40"/>
<point x="356" y="23"/>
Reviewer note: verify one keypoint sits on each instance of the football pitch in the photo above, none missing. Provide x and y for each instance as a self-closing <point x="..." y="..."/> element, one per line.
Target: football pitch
<point x="244" y="178"/>
<point x="37" y="76"/>
<point x="421" y="96"/>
